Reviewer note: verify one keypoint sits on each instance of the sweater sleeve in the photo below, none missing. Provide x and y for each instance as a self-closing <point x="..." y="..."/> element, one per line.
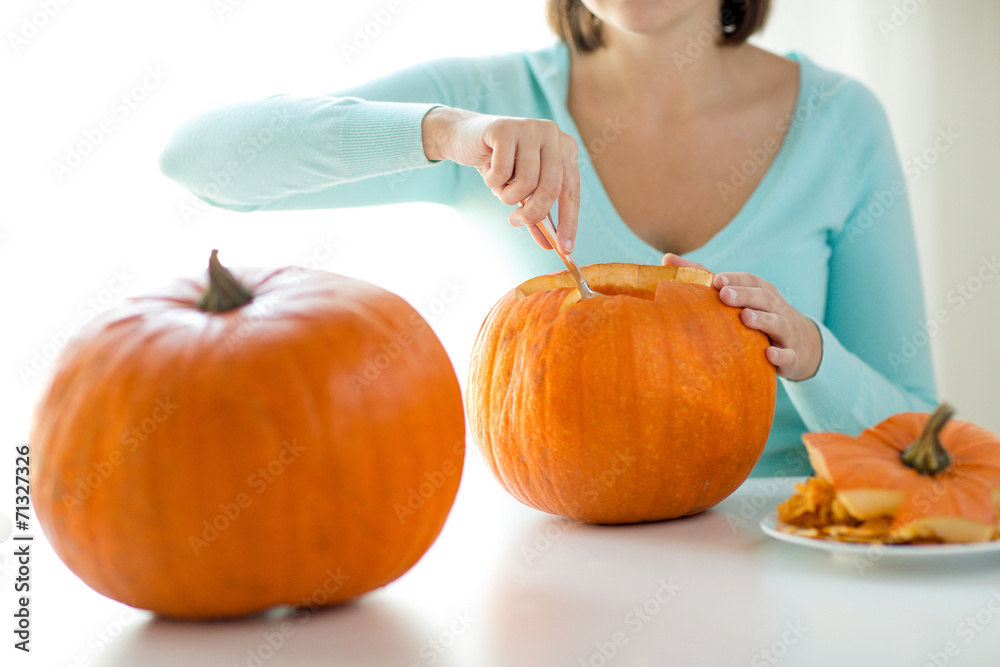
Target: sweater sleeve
<point x="876" y="350"/>
<point x="357" y="147"/>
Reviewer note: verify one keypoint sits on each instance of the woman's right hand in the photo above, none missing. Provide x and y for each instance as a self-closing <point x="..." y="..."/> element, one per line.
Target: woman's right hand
<point x="518" y="158"/>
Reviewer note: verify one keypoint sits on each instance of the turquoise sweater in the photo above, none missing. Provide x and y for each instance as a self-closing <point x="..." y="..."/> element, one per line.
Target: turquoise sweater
<point x="829" y="224"/>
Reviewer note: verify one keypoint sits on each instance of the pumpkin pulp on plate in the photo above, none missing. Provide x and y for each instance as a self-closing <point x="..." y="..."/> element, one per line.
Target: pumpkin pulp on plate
<point x="935" y="479"/>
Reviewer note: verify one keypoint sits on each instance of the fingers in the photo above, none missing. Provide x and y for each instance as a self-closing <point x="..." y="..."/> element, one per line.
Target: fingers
<point x="764" y="299"/>
<point x="783" y="359"/>
<point x="775" y="326"/>
<point x="536" y="233"/>
<point x="539" y="237"/>
<point x="796" y="342"/>
<point x="531" y="161"/>
<point x="741" y="279"/>
<point x="670" y="259"/>
<point x="763" y="310"/>
<point x="547" y="184"/>
<point x="500" y="169"/>
<point x="527" y="171"/>
<point x="569" y="201"/>
<point x="781" y="354"/>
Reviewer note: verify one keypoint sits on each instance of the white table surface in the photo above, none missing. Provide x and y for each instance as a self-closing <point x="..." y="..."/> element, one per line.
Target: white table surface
<point x="508" y="586"/>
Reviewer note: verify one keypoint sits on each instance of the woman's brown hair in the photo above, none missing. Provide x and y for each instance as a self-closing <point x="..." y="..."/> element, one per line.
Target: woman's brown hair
<point x="575" y="25"/>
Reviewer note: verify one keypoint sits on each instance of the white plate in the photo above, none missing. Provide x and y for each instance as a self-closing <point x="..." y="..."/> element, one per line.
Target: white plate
<point x="769" y="525"/>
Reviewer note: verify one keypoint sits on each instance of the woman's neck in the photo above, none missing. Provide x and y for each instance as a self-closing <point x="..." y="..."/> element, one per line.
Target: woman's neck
<point x="681" y="71"/>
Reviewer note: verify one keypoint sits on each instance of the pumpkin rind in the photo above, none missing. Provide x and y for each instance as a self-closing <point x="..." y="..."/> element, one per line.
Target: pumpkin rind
<point x="959" y="504"/>
<point x="264" y="424"/>
<point x="650" y="403"/>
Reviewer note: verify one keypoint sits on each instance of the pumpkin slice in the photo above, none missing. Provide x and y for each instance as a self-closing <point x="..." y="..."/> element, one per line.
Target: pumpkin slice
<point x="937" y="478"/>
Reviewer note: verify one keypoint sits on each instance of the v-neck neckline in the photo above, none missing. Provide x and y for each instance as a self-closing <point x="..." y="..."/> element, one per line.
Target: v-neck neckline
<point x="610" y="225"/>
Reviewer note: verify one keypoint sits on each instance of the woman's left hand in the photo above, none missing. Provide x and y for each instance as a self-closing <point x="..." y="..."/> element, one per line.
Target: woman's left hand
<point x="796" y="345"/>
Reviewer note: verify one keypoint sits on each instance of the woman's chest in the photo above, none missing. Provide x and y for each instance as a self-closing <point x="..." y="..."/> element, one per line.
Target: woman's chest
<point x="677" y="187"/>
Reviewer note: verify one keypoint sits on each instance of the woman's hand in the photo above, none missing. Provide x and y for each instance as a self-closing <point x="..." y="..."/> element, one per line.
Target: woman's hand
<point x="796" y="344"/>
<point x="518" y="158"/>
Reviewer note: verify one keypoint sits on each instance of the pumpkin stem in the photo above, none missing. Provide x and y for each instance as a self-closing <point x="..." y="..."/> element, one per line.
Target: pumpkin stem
<point x="927" y="455"/>
<point x="224" y="291"/>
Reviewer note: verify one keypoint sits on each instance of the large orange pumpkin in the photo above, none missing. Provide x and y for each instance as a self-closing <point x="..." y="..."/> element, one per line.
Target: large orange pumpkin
<point x="938" y="479"/>
<point x="651" y="402"/>
<point x="287" y="437"/>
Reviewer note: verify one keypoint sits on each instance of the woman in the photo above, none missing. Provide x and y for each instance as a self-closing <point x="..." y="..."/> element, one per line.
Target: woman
<point x="771" y="169"/>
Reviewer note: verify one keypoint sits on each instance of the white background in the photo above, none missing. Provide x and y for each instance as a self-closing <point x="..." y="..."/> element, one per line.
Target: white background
<point x="62" y="240"/>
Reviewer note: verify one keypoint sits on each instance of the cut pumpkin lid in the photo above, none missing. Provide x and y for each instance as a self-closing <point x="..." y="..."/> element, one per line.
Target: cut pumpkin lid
<point x="639" y="280"/>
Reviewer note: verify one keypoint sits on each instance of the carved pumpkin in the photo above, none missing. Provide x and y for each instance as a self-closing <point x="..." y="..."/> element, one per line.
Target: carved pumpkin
<point x="286" y="437"/>
<point x="939" y="479"/>
<point x="650" y="403"/>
